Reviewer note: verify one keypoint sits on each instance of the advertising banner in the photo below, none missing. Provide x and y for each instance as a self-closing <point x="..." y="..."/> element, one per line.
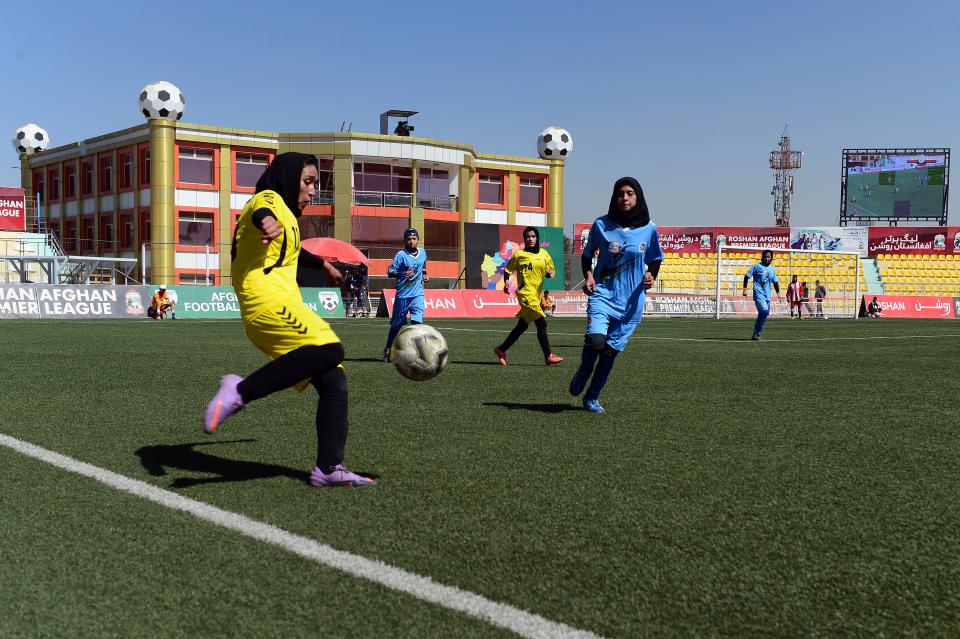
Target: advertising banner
<point x="923" y="306"/>
<point x="910" y="240"/>
<point x="219" y="302"/>
<point x="13" y="216"/>
<point x="580" y="234"/>
<point x="686" y="239"/>
<point x="849" y="239"/>
<point x="488" y="248"/>
<point x="72" y="302"/>
<point x="766" y="236"/>
<point x="437" y="303"/>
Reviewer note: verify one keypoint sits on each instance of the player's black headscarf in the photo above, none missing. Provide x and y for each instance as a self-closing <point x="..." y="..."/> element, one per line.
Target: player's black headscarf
<point x="283" y="177"/>
<point x="536" y="247"/>
<point x="638" y="216"/>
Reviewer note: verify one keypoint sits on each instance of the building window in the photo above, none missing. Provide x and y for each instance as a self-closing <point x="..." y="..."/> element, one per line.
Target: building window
<point x="196" y="278"/>
<point x="86" y="170"/>
<point x="106" y="175"/>
<point x="491" y="189"/>
<point x="382" y="178"/>
<point x="38" y="185"/>
<point x="196" y="166"/>
<point x="144" y="166"/>
<point x="54" y="184"/>
<point x="70" y="236"/>
<point x="441" y="234"/>
<point x="144" y="226"/>
<point x="531" y="192"/>
<point x="195" y="229"/>
<point x="126" y="226"/>
<point x="126" y="170"/>
<point x="70" y="181"/>
<point x="250" y="166"/>
<point x="86" y="235"/>
<point x="326" y="179"/>
<point x="106" y="232"/>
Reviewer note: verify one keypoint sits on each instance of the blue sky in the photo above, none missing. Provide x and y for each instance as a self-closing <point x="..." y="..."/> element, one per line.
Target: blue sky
<point x="689" y="97"/>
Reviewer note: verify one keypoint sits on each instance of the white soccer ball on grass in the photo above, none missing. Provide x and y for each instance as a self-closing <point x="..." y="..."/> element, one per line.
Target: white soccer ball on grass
<point x="419" y="352"/>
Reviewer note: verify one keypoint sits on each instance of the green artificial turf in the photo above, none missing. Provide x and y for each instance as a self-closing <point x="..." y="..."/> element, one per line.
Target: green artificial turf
<point x="803" y="486"/>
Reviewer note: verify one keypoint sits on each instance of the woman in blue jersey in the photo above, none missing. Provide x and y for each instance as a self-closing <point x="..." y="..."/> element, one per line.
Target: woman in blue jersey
<point x="763" y="275"/>
<point x="628" y="252"/>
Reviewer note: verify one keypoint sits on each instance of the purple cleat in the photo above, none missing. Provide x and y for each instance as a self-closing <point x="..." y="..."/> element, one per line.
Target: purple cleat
<point x="225" y="403"/>
<point x="339" y="476"/>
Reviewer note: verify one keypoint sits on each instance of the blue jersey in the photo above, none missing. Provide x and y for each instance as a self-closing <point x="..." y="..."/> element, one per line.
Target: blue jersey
<point x="762" y="277"/>
<point x="623" y="257"/>
<point x="412" y="285"/>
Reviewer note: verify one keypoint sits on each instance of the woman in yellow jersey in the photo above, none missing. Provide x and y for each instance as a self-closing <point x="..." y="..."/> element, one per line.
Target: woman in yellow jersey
<point x="532" y="266"/>
<point x="303" y="347"/>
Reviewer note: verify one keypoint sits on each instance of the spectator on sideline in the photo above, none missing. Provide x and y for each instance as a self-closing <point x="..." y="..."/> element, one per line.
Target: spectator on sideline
<point x="805" y="298"/>
<point x="874" y="310"/>
<point x="819" y="293"/>
<point x="547" y="303"/>
<point x="161" y="304"/>
<point x="793" y="297"/>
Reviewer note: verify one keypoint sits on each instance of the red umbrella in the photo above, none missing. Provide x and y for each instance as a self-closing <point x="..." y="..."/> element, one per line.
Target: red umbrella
<point x="335" y="250"/>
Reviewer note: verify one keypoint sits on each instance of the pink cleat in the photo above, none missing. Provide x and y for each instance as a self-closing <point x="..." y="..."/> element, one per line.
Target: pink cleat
<point x="225" y="403"/>
<point x="339" y="476"/>
<point x="553" y="358"/>
<point x="501" y="355"/>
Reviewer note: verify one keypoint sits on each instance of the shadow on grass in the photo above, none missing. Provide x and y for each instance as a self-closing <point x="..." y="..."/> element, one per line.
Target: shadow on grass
<point x="364" y="359"/>
<point x="157" y="459"/>
<point x="536" y="408"/>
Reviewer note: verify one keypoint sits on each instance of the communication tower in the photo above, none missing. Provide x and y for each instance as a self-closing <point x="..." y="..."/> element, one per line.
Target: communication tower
<point x="784" y="161"/>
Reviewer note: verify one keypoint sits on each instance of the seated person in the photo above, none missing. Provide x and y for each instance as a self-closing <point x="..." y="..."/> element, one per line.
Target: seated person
<point x="161" y="305"/>
<point x="546" y="302"/>
<point x="873" y="309"/>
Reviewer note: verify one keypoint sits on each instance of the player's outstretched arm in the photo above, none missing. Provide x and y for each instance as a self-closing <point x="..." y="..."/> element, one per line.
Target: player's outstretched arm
<point x="266" y="222"/>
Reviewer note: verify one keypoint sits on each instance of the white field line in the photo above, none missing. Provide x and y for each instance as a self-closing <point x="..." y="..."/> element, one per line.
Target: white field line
<point x="714" y="341"/>
<point x="521" y="622"/>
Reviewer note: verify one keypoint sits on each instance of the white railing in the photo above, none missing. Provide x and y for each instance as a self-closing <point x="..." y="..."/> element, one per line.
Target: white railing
<point x="405" y="200"/>
<point x="322" y="197"/>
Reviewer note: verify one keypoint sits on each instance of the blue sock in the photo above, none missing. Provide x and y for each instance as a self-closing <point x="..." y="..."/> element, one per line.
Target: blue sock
<point x="393" y="333"/>
<point x="761" y="320"/>
<point x="588" y="359"/>
<point x="600" y="375"/>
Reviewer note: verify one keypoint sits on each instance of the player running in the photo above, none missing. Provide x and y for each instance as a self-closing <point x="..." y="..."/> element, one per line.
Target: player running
<point x="763" y="274"/>
<point x="410" y="268"/>
<point x="532" y="266"/>
<point x="303" y="347"/>
<point x="629" y="258"/>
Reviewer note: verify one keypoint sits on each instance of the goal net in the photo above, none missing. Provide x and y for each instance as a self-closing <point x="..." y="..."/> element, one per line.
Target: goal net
<point x="838" y="272"/>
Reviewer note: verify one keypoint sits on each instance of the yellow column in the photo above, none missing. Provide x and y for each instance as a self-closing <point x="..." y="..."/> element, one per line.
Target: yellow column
<point x="96" y="208"/>
<point x="512" y="198"/>
<point x="163" y="192"/>
<point x="223" y="218"/>
<point x="555" y="195"/>
<point x="343" y="195"/>
<point x="466" y="203"/>
<point x="135" y="219"/>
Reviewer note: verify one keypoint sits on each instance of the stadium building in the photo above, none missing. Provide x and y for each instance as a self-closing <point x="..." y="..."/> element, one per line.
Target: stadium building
<point x="169" y="193"/>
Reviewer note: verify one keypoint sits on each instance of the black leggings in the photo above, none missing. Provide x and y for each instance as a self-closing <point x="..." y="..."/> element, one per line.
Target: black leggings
<point x="519" y="330"/>
<point x="319" y="364"/>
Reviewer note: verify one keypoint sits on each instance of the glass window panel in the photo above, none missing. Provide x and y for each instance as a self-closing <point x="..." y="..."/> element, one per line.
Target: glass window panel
<point x="249" y="173"/>
<point x="491" y="189"/>
<point x="195" y="229"/>
<point x="196" y="170"/>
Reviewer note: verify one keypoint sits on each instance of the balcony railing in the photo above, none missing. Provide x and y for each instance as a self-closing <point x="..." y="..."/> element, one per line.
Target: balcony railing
<point x="405" y="200"/>
<point x="322" y="197"/>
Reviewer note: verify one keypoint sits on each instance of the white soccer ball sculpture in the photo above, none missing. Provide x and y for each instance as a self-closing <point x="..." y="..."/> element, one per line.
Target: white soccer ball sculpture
<point x="29" y="139"/>
<point x="554" y="143"/>
<point x="162" y="100"/>
<point x="419" y="352"/>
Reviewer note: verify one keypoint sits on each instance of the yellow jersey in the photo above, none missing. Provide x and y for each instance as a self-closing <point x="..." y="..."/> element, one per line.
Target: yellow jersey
<point x="531" y="270"/>
<point x="264" y="274"/>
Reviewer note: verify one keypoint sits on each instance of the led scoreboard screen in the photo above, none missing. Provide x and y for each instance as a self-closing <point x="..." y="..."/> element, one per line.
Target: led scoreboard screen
<point x="895" y="183"/>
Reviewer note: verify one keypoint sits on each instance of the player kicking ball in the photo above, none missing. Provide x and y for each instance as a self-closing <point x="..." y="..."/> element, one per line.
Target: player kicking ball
<point x="409" y="267"/>
<point x="628" y="261"/>
<point x="532" y="266"/>
<point x="763" y="274"/>
<point x="303" y="347"/>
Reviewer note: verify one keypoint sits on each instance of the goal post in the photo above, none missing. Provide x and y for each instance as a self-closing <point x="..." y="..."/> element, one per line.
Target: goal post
<point x="838" y="271"/>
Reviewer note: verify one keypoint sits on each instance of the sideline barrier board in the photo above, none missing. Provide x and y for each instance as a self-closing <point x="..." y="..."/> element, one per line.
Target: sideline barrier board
<point x="921" y="306"/>
<point x="34" y="301"/>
